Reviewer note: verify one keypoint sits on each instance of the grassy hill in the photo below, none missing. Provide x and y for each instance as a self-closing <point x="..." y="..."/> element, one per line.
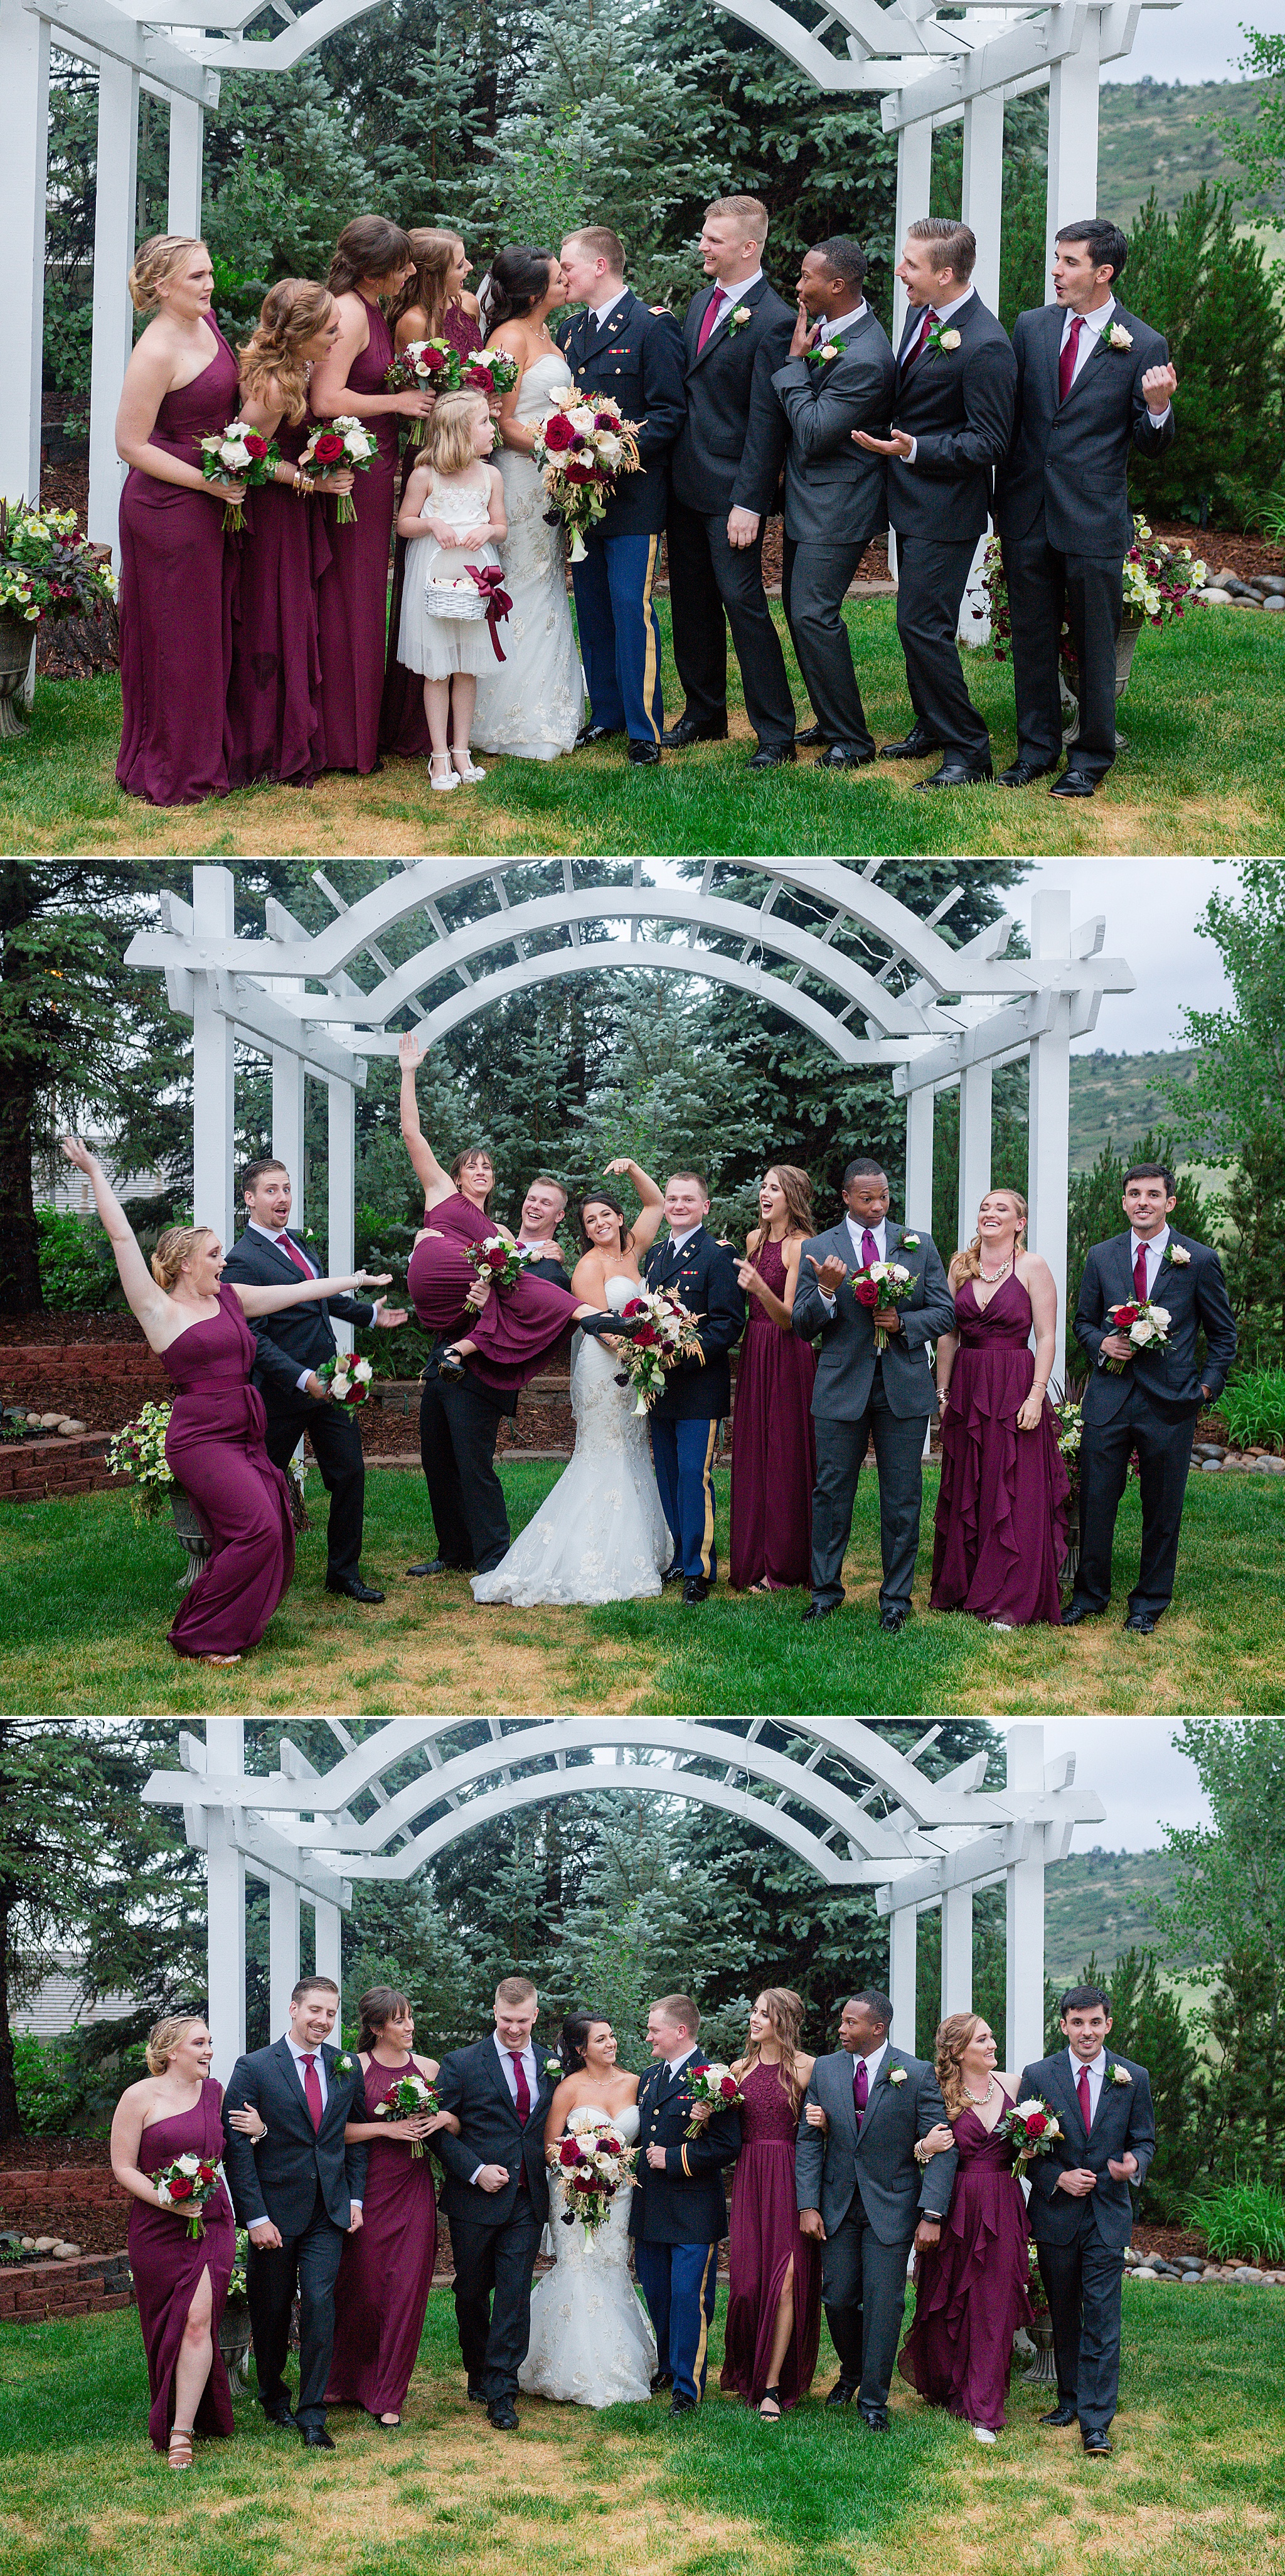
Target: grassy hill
<point x="1098" y="1903"/>
<point x="1153" y="134"/>
<point x="1118" y="1097"/>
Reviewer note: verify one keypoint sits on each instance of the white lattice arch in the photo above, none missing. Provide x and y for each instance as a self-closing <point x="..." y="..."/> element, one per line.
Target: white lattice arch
<point x="933" y="1843"/>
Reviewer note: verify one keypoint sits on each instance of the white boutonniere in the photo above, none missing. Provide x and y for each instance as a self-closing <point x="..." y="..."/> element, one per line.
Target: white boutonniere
<point x="910" y="1243"/>
<point x="737" y="320"/>
<point x="824" y="351"/>
<point x="1178" y="1254"/>
<point x="941" y="342"/>
<point x="1121" y="2075"/>
<point x="1119" y="338"/>
<point x="896" y="2074"/>
<point x="343" y="2063"/>
<point x="553" y="2067"/>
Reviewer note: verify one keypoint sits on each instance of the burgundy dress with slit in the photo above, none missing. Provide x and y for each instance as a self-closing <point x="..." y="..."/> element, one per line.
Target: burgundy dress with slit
<point x="1001" y="1513"/>
<point x="765" y="2233"/>
<point x="385" y="2271"/>
<point x="274" y="701"/>
<point x="352" y="594"/>
<point x="403" y="725"/>
<point x="517" y="1328"/>
<point x="178" y="579"/>
<point x="774" y="1451"/>
<point x="215" y="1448"/>
<point x="167" y="2263"/>
<point x="971" y="2288"/>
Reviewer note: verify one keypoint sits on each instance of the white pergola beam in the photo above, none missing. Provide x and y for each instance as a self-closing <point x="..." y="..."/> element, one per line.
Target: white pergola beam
<point x="129" y="39"/>
<point x="115" y="216"/>
<point x="213" y="1065"/>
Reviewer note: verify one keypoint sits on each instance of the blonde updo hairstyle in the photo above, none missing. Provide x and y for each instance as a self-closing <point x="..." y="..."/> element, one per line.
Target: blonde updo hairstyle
<point x="968" y="1265"/>
<point x="448" y="436"/>
<point x="954" y="2036"/>
<point x="293" y="312"/>
<point x="157" y="262"/>
<point x="177" y="1245"/>
<point x="167" y="2035"/>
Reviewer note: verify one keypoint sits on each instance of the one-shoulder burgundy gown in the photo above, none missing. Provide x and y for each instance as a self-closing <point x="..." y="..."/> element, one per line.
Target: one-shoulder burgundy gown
<point x="167" y="2264"/>
<point x="274" y="701"/>
<point x="518" y="1327"/>
<point x="774" y="1450"/>
<point x="352" y="594"/>
<point x="403" y="725"/>
<point x="1001" y="1513"/>
<point x="178" y="578"/>
<point x="386" y="2270"/>
<point x="765" y="2232"/>
<point x="970" y="2289"/>
<point x="215" y="1448"/>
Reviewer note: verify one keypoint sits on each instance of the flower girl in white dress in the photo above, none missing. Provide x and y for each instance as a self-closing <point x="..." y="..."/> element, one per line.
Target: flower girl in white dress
<point x="452" y="515"/>
<point x="591" y="2338"/>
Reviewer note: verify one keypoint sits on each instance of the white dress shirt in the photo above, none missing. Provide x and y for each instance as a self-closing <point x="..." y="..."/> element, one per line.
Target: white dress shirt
<point x="945" y="316"/>
<point x="253" y="1227"/>
<point x="676" y="1244"/>
<point x="673" y="2063"/>
<point x="842" y="322"/>
<point x="1096" y="2072"/>
<point x="1154" y="1249"/>
<point x="730" y="297"/>
<point x="1095" y="323"/>
<point x="601" y="311"/>
<point x="506" y="2057"/>
<point x="855" y="1233"/>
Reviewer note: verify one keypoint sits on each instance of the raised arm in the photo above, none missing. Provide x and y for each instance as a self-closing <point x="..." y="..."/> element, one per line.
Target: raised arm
<point x="273" y="1301"/>
<point x="436" y="1184"/>
<point x="646" y="1224"/>
<point x="146" y="1299"/>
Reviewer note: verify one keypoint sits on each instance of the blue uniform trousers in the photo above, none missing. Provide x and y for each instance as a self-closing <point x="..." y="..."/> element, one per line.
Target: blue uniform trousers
<point x="683" y="1455"/>
<point x="619" y="635"/>
<point x="679" y="2283"/>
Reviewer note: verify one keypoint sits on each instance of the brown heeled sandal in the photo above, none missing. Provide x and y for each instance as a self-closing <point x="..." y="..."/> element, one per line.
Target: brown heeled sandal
<point x="180" y="2450"/>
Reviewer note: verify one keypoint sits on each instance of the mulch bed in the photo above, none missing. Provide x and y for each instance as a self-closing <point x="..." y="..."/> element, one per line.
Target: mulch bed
<point x="1168" y="2242"/>
<point x="69" y="1324"/>
<point x="30" y="2154"/>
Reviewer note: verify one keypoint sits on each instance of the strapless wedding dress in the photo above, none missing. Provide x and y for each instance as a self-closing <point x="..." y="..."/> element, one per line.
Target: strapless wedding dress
<point x="600" y="1534"/>
<point x="591" y="2338"/>
<point x="531" y="705"/>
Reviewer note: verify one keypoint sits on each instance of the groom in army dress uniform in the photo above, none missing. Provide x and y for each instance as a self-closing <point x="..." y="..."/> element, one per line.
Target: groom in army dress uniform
<point x="679" y="2216"/>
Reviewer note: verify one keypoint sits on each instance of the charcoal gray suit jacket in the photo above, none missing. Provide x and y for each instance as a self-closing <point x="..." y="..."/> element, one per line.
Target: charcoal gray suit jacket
<point x="1071" y="459"/>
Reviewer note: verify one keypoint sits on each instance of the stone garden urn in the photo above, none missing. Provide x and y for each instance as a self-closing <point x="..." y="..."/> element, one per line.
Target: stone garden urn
<point x="1131" y="626"/>
<point x="234" y="2342"/>
<point x="17" y="636"/>
<point x="199" y="1550"/>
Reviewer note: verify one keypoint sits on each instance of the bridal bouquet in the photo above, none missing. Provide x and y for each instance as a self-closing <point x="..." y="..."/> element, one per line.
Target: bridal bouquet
<point x="1147" y="1327"/>
<point x="347" y="1378"/>
<point x="411" y="2097"/>
<point x="1033" y="2127"/>
<point x="881" y="1283"/>
<point x="712" y="2088"/>
<point x="580" y="448"/>
<point x="496" y="1261"/>
<point x="661" y="1331"/>
<point x="238" y="454"/>
<point x="424" y="367"/>
<point x="139" y="1453"/>
<point x="186" y="2185"/>
<point x="594" y="2162"/>
<point x="346" y="447"/>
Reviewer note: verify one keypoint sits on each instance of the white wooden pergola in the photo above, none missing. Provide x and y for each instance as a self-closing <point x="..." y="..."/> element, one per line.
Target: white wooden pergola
<point x="931" y="69"/>
<point x="859" y="1813"/>
<point x="936" y="1017"/>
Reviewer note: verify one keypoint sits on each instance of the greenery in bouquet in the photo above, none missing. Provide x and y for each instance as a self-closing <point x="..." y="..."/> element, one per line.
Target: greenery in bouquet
<point x="238" y="2287"/>
<point x="346" y="1378"/>
<point x="661" y="1332"/>
<point x="47" y="569"/>
<point x="347" y="446"/>
<point x="409" y="2097"/>
<point x="1070" y="1428"/>
<point x="139" y="1453"/>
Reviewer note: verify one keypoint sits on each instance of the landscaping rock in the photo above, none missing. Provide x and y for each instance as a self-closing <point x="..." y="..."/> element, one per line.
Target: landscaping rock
<point x="66" y="2253"/>
<point x="1145" y="2272"/>
<point x="44" y="2244"/>
<point x="1247" y="2272"/>
<point x="1210" y="1449"/>
<point x="1193" y="2280"/>
<point x="1274" y="599"/>
<point x="1213" y="596"/>
<point x="69" y="1430"/>
<point x="1271" y="1466"/>
<point x="1211" y="1466"/>
<point x="1191" y="2262"/>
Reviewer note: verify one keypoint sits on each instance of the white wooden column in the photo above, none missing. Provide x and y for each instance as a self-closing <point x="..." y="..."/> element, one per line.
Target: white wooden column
<point x="919" y="1160"/>
<point x="116" y="209"/>
<point x="1073" y="140"/>
<point x="24" y="139"/>
<point x="341" y="1141"/>
<point x="984" y="186"/>
<point x="956" y="1951"/>
<point x="186" y="164"/>
<point x="914" y="179"/>
<point x="901" y="1975"/>
<point x="283" y="1948"/>
<point x="328" y="1960"/>
<point x="287" y="1122"/>
<point x="1049" y="1109"/>
<point x="1024" y="1923"/>
<point x="974" y="1145"/>
<point x="225" y="1904"/>
<point x="213" y="1063"/>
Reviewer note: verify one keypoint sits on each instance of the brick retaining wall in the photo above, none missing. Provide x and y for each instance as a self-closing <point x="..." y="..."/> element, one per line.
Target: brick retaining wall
<point x="32" y="2292"/>
<point x="82" y="2204"/>
<point x="33" y="1471"/>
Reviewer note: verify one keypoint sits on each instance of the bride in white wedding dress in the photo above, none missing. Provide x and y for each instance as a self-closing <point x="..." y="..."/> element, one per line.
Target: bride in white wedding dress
<point x="531" y="705"/>
<point x="600" y="1534"/>
<point x="591" y="2338"/>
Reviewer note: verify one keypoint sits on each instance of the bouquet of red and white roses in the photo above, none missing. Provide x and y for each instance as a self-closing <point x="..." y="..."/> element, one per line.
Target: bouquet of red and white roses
<point x="1033" y="2127"/>
<point x="1146" y="1325"/>
<point x="594" y="2163"/>
<point x="347" y="1378"/>
<point x="238" y="454"/>
<point x="424" y="367"/>
<point x="493" y="374"/>
<point x="496" y="1260"/>
<point x="186" y="2185"/>
<point x="411" y="2097"/>
<point x="346" y="447"/>
<point x="580" y="447"/>
<point x="712" y="2088"/>
<point x="660" y="1332"/>
<point x="881" y="1283"/>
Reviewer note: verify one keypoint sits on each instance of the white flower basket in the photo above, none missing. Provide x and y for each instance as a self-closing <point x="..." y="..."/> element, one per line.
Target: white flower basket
<point x="448" y="599"/>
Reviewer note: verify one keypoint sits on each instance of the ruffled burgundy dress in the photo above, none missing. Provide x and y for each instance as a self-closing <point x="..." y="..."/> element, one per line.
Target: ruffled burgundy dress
<point x="215" y="1448"/>
<point x="765" y="2233"/>
<point x="516" y="1329"/>
<point x="178" y="578"/>
<point x="403" y="725"/>
<point x="970" y="2289"/>
<point x="385" y="2272"/>
<point x="274" y="701"/>
<point x="167" y="2264"/>
<point x="352" y="594"/>
<point x="774" y="1451"/>
<point x="1001" y="1514"/>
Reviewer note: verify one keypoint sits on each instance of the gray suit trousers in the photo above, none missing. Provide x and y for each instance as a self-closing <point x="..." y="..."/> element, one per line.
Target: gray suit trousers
<point x="841" y="1447"/>
<point x="814" y="582"/>
<point x="863" y="2286"/>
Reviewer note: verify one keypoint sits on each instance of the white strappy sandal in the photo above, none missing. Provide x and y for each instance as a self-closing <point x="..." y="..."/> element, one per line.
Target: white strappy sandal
<point x="444" y="785"/>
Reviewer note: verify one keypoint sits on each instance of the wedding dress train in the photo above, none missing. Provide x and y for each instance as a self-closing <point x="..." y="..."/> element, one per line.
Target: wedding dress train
<point x="591" y="2338"/>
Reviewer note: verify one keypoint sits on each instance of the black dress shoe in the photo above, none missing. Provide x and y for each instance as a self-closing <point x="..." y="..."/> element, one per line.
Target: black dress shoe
<point x="476" y="2395"/>
<point x="677" y="736"/>
<point x="281" y="2419"/>
<point x="597" y="733"/>
<point x="1141" y="1623"/>
<point x="673" y="1574"/>
<point x="352" y="1587"/>
<point x="820" y="1610"/>
<point x="438" y="1565"/>
<point x="874" y="2418"/>
<point x="1060" y="2415"/>
<point x="772" y="755"/>
<point x="842" y="2393"/>
<point x="892" y="1620"/>
<point x="644" y="755"/>
<point x="695" y="1588"/>
<point x="660" y="2380"/>
<point x="1098" y="2444"/>
<point x="1074" y="783"/>
<point x="844" y="755"/>
<point x="813" y="738"/>
<point x="914" y="746"/>
<point x="1023" y="772"/>
<point x="503" y="2414"/>
<point x="957" y="773"/>
<point x="315" y="2437"/>
<point x="1078" y="1610"/>
<point x="682" y="2405"/>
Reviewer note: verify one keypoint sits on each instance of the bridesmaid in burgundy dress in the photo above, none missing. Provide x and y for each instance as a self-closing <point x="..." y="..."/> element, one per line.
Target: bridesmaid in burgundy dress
<point x="372" y="258"/>
<point x="274" y="702"/>
<point x="1001" y="1514"/>
<point x="773" y="1442"/>
<point x="971" y="2287"/>
<point x="774" y="2295"/>
<point x="180" y="2282"/>
<point x="177" y="570"/>
<point x="215" y="1442"/>
<point x="386" y="2270"/>
<point x="434" y="304"/>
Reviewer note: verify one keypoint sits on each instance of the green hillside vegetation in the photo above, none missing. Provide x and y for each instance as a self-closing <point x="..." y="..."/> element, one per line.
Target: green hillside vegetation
<point x="1100" y="1903"/>
<point x="1115" y="1098"/>
<point x="1156" y="134"/>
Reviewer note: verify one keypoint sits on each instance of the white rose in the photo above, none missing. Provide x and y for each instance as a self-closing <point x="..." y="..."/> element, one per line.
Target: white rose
<point x="188" y="2164"/>
<point x="897" y="1275"/>
<point x="363" y="1372"/>
<point x="234" y="454"/>
<point x="1179" y="1255"/>
<point x="1142" y="1332"/>
<point x="358" y="444"/>
<point x="582" y="418"/>
<point x="1160" y="1316"/>
<point x="948" y="340"/>
<point x="1121" y="339"/>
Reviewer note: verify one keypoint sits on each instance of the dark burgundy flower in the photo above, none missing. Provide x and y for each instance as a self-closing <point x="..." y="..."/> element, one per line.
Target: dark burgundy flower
<point x="329" y="448"/>
<point x="254" y="444"/>
<point x="558" y="434"/>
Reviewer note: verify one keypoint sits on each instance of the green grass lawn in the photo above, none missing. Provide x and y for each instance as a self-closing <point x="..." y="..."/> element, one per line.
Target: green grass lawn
<point x="86" y="1596"/>
<point x="1202" y="774"/>
<point x="1196" y="2481"/>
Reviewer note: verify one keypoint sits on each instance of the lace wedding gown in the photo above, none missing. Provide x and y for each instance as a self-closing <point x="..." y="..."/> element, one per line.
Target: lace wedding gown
<point x="531" y="705"/>
<point x="591" y="2338"/>
<point x="600" y="1535"/>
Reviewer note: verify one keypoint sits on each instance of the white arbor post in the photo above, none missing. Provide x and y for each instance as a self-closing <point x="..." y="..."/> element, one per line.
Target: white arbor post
<point x="186" y="165"/>
<point x="116" y="203"/>
<point x="225" y="1916"/>
<point x="1024" y="1921"/>
<point x="1073" y="138"/>
<point x="914" y="180"/>
<point x="956" y="1951"/>
<point x="341" y="1132"/>
<point x="24" y="130"/>
<point x="919" y="1159"/>
<point x="287" y="1121"/>
<point x="283" y="1947"/>
<point x="1049" y="1104"/>
<point x="902" y="1930"/>
<point x="328" y="1955"/>
<point x="984" y="186"/>
<point x="975" y="1086"/>
<point x="213" y="1062"/>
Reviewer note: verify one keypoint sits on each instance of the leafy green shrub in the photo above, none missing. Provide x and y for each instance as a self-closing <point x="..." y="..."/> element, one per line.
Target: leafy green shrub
<point x="1253" y="1407"/>
<point x="40" y="2069"/>
<point x="77" y="1267"/>
<point x="1242" y="2222"/>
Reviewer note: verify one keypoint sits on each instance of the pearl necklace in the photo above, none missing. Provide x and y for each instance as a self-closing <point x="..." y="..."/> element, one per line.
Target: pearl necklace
<point x="979" y="2100"/>
<point x="992" y="1276"/>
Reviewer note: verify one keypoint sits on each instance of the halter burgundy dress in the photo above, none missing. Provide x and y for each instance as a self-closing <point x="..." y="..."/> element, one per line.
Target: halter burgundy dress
<point x="178" y="578"/>
<point x="385" y="2271"/>
<point x="1001" y="1514"/>
<point x="765" y="2233"/>
<point x="215" y="1448"/>
<point x="274" y="700"/>
<point x="352" y="593"/>
<point x="774" y="1452"/>
<point x="167" y="2263"/>
<point x="970" y="2288"/>
<point x="518" y="1327"/>
<point x="403" y="725"/>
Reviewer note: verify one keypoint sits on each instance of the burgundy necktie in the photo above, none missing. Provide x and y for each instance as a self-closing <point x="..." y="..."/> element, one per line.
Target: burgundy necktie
<point x="918" y="343"/>
<point x="860" y="2090"/>
<point x="713" y="315"/>
<point x="312" y="2088"/>
<point x="523" y="2088"/>
<point x="1082" y="2088"/>
<point x="292" y="1253"/>
<point x="869" y="1248"/>
<point x="1066" y="363"/>
<point x="1140" y="1274"/>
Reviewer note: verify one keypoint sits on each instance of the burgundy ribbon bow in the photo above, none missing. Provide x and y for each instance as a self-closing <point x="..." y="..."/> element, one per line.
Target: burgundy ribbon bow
<point x="490" y="581"/>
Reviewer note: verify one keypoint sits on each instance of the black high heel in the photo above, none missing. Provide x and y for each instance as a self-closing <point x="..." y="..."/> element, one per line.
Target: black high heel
<point x="624" y="1328"/>
<point x="450" y="1365"/>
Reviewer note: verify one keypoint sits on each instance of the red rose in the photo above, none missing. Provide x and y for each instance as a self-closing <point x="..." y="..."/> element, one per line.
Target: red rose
<point x="254" y="444"/>
<point x="1036" y="2125"/>
<point x="434" y="359"/>
<point x="634" y="1307"/>
<point x="569" y="2153"/>
<point x="558" y="434"/>
<point x="1123" y="1316"/>
<point x="866" y="1293"/>
<point x="584" y="2182"/>
<point x="579" y="473"/>
<point x="180" y="2188"/>
<point x="646" y="1338"/>
<point x="727" y="2087"/>
<point x="205" y="2173"/>
<point x="496" y="1260"/>
<point x="480" y="377"/>
<point x="329" y="448"/>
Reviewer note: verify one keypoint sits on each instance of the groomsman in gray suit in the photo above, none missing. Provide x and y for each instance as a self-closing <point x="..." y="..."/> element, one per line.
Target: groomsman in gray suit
<point x="863" y="1393"/>
<point x="860" y="2188"/>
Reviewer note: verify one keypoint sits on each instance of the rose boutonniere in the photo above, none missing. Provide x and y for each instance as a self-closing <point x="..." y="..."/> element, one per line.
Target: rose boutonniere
<point x="737" y="320"/>
<point x="1178" y="1254"/>
<point x="940" y="343"/>
<point x="910" y="1243"/>
<point x="553" y="2068"/>
<point x="343" y="2063"/>
<point x="896" y="2074"/>
<point x="1121" y="2075"/>
<point x="822" y="354"/>
<point x="1118" y="337"/>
